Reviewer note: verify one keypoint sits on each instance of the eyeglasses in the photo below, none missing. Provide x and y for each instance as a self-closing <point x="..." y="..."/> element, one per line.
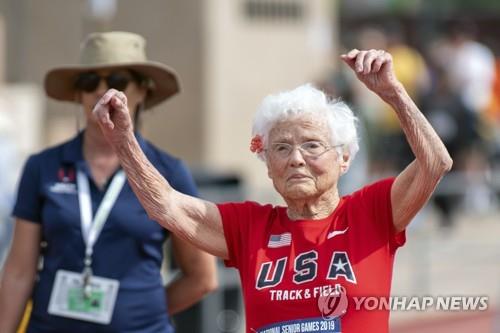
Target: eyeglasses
<point x="89" y="81"/>
<point x="307" y="149"/>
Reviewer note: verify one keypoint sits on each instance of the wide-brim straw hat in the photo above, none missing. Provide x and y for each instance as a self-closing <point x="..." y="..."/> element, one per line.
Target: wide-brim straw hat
<point x="113" y="50"/>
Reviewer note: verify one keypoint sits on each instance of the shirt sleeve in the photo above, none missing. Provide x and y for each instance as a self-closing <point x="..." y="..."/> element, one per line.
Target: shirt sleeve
<point x="378" y="199"/>
<point x="235" y="219"/>
<point x="29" y="199"/>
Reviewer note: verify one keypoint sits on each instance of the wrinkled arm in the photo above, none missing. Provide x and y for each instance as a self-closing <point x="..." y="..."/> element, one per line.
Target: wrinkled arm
<point x="194" y="220"/>
<point x="416" y="183"/>
<point x="414" y="186"/>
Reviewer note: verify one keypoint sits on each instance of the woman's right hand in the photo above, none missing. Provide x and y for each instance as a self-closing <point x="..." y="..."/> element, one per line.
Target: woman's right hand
<point x="112" y="114"/>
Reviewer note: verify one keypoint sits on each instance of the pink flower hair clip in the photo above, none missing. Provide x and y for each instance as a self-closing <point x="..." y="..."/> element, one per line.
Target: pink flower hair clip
<point x="256" y="145"/>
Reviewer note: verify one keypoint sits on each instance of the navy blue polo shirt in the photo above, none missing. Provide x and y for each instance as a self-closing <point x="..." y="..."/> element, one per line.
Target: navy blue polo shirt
<point x="128" y="249"/>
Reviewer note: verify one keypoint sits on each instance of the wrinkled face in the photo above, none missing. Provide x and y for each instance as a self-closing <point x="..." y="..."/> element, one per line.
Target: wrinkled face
<point x="299" y="177"/>
<point x="134" y="92"/>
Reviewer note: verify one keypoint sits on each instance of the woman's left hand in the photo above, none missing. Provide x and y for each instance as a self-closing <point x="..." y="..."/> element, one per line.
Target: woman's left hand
<point x="374" y="68"/>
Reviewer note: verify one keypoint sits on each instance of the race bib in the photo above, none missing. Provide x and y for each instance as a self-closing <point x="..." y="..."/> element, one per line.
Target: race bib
<point x="303" y="326"/>
<point x="69" y="300"/>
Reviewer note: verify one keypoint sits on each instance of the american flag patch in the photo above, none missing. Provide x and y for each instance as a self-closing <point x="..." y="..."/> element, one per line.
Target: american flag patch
<point x="280" y="240"/>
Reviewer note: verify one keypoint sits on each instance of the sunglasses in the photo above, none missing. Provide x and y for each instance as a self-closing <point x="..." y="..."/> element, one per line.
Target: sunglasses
<point x="89" y="81"/>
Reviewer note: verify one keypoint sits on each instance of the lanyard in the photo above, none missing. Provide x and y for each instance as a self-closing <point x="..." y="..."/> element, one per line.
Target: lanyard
<point x="92" y="229"/>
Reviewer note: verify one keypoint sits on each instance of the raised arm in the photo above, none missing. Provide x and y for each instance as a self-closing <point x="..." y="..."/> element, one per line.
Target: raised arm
<point x="195" y="220"/>
<point x="416" y="183"/>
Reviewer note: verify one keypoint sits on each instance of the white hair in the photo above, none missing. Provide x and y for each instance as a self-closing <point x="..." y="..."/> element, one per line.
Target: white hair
<point x="307" y="99"/>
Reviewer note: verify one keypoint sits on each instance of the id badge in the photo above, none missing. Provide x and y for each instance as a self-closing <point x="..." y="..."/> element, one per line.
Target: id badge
<point x="68" y="300"/>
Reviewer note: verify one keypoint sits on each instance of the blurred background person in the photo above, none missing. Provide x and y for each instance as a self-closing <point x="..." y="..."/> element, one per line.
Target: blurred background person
<point x="472" y="73"/>
<point x="493" y="116"/>
<point x="471" y="66"/>
<point x="102" y="255"/>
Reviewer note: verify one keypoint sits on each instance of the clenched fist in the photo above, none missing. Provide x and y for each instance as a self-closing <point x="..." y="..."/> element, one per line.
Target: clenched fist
<point x="374" y="68"/>
<point x="112" y="114"/>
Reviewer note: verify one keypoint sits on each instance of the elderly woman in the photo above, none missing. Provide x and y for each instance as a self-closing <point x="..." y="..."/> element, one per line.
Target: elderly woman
<point x="290" y="257"/>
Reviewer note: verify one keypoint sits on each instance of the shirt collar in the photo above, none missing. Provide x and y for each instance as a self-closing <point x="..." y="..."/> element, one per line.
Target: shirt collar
<point x="73" y="150"/>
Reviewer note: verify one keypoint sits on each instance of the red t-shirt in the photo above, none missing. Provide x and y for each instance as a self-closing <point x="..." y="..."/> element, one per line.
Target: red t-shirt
<point x="285" y="265"/>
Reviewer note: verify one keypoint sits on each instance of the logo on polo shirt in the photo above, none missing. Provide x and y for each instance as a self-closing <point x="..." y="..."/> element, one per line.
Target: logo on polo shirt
<point x="66" y="175"/>
<point x="66" y="183"/>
